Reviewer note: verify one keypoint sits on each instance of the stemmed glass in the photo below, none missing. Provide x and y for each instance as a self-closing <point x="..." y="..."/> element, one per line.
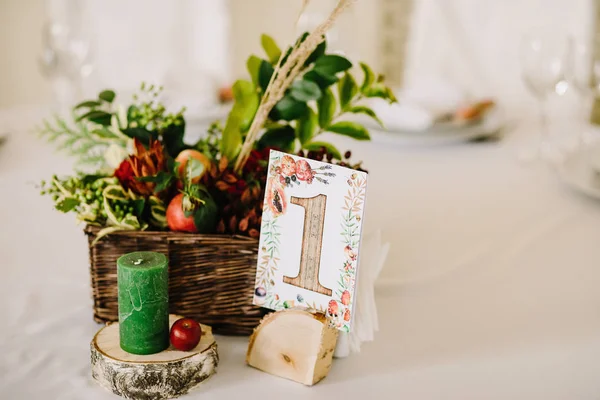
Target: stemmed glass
<point x="543" y="61"/>
<point x="583" y="74"/>
<point x="65" y="60"/>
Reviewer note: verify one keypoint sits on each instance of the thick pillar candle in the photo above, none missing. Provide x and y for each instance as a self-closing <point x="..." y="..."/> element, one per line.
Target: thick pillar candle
<point x="143" y="281"/>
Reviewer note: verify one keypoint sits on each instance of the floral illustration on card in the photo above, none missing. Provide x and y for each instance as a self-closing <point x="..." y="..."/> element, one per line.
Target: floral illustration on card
<point x="290" y="178"/>
<point x="341" y="310"/>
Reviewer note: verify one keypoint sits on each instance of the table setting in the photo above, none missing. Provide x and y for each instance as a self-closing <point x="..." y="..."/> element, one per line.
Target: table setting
<point x="316" y="232"/>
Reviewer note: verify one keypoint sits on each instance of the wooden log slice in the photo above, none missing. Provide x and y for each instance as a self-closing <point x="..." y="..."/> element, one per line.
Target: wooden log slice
<point x="294" y="344"/>
<point x="165" y="375"/>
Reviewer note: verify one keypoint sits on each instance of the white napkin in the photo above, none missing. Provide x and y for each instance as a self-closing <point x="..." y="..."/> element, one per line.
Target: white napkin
<point x="419" y="104"/>
<point x="371" y="259"/>
<point x="402" y="115"/>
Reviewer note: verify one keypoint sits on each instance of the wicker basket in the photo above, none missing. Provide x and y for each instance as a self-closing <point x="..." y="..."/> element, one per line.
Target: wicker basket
<point x="211" y="277"/>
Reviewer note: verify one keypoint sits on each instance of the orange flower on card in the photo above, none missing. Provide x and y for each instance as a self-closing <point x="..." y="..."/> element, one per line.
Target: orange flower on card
<point x="345" y="298"/>
<point x="347" y="315"/>
<point x="332" y="309"/>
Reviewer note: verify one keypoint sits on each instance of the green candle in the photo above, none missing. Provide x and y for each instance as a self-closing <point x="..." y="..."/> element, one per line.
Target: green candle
<point x="143" y="281"/>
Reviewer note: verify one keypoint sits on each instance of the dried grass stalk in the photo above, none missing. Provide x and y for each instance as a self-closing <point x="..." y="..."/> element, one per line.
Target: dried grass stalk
<point x="282" y="78"/>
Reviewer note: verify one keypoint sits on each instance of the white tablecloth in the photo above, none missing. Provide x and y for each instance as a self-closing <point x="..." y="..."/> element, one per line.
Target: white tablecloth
<point x="490" y="291"/>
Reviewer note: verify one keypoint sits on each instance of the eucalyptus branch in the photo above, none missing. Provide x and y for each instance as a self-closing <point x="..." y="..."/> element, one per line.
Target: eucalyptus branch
<point x="282" y="78"/>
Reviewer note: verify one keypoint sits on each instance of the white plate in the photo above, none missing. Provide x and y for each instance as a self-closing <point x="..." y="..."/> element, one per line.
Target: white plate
<point x="442" y="133"/>
<point x="577" y="172"/>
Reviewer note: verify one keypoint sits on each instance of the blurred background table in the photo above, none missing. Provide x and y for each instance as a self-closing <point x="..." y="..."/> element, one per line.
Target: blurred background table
<point x="489" y="292"/>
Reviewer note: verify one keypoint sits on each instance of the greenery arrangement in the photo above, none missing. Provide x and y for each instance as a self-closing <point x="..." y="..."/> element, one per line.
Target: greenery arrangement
<point x="144" y="176"/>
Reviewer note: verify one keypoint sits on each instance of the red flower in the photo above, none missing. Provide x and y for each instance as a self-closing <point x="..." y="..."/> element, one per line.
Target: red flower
<point x="345" y="298"/>
<point x="304" y="172"/>
<point x="124" y="173"/>
<point x="143" y="163"/>
<point x="253" y="163"/>
<point x="347" y="315"/>
<point x="333" y="308"/>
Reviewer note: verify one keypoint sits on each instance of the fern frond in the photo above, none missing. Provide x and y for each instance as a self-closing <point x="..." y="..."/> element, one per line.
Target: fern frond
<point x="83" y="140"/>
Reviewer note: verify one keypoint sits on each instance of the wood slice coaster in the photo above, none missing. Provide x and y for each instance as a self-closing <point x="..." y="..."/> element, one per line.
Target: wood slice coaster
<point x="165" y="375"/>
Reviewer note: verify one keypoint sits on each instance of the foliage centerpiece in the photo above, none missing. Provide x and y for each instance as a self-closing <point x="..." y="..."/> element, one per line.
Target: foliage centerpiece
<point x="138" y="173"/>
<point x="146" y="177"/>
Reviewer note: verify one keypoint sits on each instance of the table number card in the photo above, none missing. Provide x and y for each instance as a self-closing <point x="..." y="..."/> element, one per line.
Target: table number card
<point x="310" y="237"/>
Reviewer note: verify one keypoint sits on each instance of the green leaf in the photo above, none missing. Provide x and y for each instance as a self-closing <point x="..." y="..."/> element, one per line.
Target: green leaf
<point x="103" y="133"/>
<point x="138" y="206"/>
<point x="286" y="55"/>
<point x="172" y="138"/>
<point x="240" y="117"/>
<point x="131" y="222"/>
<point x="288" y="109"/>
<point x="316" y="146"/>
<point x="97" y="117"/>
<point x="302" y="90"/>
<point x="369" y="77"/>
<point x="347" y="90"/>
<point x="326" y="106"/>
<point x="331" y="64"/>
<point x="91" y="178"/>
<point x="87" y="104"/>
<point x="351" y="129"/>
<point x="246" y="102"/>
<point x="162" y="180"/>
<point x="157" y="212"/>
<point x="107" y="96"/>
<point x="317" y="53"/>
<point x="142" y="134"/>
<point x="67" y="204"/>
<point x="194" y="168"/>
<point x="107" y="231"/>
<point x="280" y="138"/>
<point x="205" y="216"/>
<point x="322" y="80"/>
<point x="114" y="192"/>
<point x="253" y="66"/>
<point x="273" y="51"/>
<point x="265" y="71"/>
<point x="366" y="110"/>
<point x="381" y="91"/>
<point x="305" y="127"/>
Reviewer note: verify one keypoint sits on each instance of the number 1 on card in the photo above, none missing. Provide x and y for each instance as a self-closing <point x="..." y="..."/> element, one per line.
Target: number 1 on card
<point x="312" y="242"/>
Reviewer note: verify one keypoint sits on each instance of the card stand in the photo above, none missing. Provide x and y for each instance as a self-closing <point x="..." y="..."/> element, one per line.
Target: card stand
<point x="296" y="344"/>
<point x="165" y="375"/>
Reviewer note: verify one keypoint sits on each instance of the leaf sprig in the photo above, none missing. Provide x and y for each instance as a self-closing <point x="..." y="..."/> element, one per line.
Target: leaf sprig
<point x="320" y="96"/>
<point x="86" y="139"/>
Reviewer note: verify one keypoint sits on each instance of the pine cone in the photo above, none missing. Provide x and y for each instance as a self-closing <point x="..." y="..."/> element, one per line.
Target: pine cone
<point x="240" y="198"/>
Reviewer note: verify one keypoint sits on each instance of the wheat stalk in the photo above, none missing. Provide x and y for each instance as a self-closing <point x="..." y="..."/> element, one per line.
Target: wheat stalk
<point x="283" y="76"/>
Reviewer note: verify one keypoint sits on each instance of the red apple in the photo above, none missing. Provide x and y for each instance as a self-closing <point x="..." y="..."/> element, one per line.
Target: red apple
<point x="185" y="334"/>
<point x="184" y="156"/>
<point x="176" y="218"/>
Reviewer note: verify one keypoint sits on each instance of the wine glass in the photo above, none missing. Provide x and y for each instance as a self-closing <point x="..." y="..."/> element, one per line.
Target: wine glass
<point x="583" y="74"/>
<point x="543" y="61"/>
<point x="65" y="60"/>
